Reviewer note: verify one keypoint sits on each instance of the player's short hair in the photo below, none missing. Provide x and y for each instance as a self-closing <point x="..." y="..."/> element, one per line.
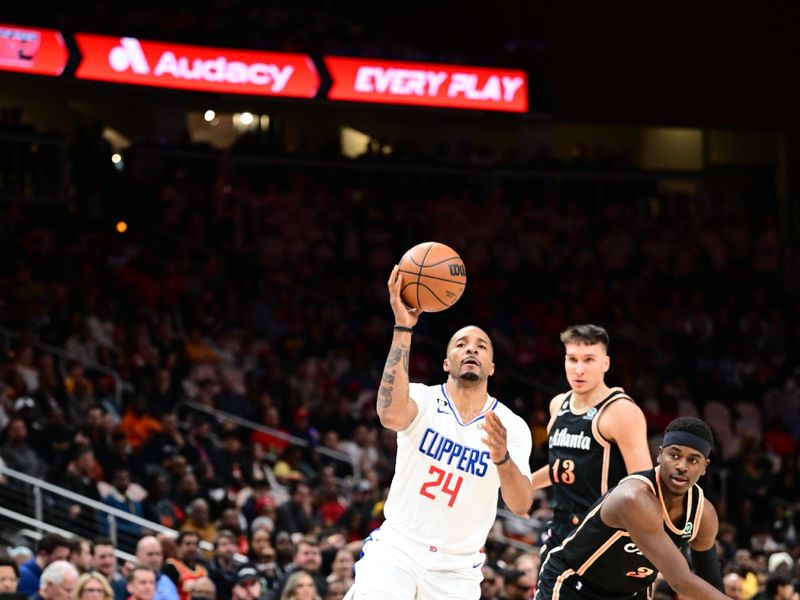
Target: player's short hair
<point x="692" y="425"/>
<point x="585" y="334"/>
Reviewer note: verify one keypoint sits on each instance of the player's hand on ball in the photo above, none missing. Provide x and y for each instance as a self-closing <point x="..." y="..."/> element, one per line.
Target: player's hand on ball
<point x="495" y="436"/>
<point x="403" y="315"/>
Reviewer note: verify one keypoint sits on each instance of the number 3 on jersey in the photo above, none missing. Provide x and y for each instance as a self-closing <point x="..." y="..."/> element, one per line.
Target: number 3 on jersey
<point x="566" y="474"/>
<point x="439" y="475"/>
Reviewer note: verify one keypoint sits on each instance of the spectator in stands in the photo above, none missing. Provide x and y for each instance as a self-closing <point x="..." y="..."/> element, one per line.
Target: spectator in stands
<point x="104" y="560"/>
<point x="342" y="566"/>
<point x="307" y="558"/>
<point x="51" y="548"/>
<point x="221" y="568"/>
<point x="137" y="425"/>
<point x="141" y="584"/>
<point x="58" y="581"/>
<point x="260" y="501"/>
<point x="230" y="462"/>
<point x="185" y="566"/>
<point x="158" y="506"/>
<point x="118" y="498"/>
<point x="336" y="587"/>
<point x="93" y="586"/>
<point x="80" y="554"/>
<point x="202" y="589"/>
<point x="247" y="585"/>
<point x="296" y="514"/>
<point x="779" y="587"/>
<point x="517" y="585"/>
<point x="272" y="444"/>
<point x="198" y="519"/>
<point x="17" y="453"/>
<point x="79" y="478"/>
<point x="164" y="443"/>
<point x="9" y="576"/>
<point x="491" y="584"/>
<point x="300" y="586"/>
<point x="357" y="519"/>
<point x="150" y="554"/>
<point x="732" y="584"/>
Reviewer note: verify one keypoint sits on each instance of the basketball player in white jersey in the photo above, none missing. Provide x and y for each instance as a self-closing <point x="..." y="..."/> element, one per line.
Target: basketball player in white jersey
<point x="456" y="447"/>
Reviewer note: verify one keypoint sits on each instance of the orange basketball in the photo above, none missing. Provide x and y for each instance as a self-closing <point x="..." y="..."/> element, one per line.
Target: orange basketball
<point x="434" y="277"/>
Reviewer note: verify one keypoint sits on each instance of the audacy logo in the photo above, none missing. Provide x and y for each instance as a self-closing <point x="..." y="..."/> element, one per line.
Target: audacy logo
<point x="129" y="55"/>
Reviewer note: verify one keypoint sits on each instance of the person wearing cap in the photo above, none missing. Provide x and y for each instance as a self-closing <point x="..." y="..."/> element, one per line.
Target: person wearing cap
<point x="247" y="585"/>
<point x="639" y="528"/>
<point x="780" y="562"/>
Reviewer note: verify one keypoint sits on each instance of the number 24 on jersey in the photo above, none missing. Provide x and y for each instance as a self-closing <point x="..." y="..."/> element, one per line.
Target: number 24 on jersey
<point x="444" y="480"/>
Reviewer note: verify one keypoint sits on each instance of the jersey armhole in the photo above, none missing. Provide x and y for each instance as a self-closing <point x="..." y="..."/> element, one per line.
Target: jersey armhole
<point x="596" y="425"/>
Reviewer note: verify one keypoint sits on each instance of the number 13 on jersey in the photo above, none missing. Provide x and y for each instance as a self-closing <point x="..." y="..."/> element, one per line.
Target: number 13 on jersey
<point x="563" y="471"/>
<point x="443" y="479"/>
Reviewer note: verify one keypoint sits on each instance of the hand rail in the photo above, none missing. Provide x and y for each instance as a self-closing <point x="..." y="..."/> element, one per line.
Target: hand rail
<point x="118" y="383"/>
<point x="287" y="437"/>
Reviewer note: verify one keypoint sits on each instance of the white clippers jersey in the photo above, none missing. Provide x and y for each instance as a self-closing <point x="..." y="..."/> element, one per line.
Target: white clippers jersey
<point x="445" y="487"/>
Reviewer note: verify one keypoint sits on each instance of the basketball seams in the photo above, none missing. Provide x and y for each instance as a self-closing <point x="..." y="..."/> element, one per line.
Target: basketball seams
<point x="437" y="284"/>
<point x="419" y="275"/>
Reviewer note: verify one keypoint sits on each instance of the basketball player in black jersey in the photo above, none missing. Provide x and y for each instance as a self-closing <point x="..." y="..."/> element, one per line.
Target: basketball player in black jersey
<point x="596" y="434"/>
<point x="639" y="529"/>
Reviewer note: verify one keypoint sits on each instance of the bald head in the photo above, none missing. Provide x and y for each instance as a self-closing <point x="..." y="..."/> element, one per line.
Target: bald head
<point x="149" y="553"/>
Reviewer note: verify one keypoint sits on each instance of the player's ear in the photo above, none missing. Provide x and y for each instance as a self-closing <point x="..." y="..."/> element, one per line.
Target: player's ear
<point x="446" y="365"/>
<point x="705" y="468"/>
<point x="658" y="456"/>
<point x="607" y="364"/>
<point x="491" y="369"/>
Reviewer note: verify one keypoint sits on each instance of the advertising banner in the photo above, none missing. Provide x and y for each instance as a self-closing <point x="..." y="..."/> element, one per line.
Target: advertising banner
<point x="201" y="68"/>
<point x="427" y="84"/>
<point x="32" y="50"/>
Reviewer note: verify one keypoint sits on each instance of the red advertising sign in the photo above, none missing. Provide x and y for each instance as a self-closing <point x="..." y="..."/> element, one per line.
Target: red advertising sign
<point x="427" y="84"/>
<point x="32" y="50"/>
<point x="163" y="64"/>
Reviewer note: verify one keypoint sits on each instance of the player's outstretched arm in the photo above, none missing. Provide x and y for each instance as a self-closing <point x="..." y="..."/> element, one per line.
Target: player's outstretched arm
<point x="395" y="409"/>
<point x="623" y="423"/>
<point x="633" y="506"/>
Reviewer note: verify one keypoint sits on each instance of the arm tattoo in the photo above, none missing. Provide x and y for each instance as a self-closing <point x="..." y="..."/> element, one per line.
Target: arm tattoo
<point x="387" y="381"/>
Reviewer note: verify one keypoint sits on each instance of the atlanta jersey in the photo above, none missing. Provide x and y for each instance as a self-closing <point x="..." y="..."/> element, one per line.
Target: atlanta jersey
<point x="603" y="562"/>
<point x="444" y="491"/>
<point x="583" y="464"/>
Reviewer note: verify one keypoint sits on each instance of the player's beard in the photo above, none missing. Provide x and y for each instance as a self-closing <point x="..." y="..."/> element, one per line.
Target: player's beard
<point x="470" y="376"/>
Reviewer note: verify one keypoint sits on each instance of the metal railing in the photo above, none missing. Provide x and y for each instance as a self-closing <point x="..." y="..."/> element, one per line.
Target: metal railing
<point x="9" y="334"/>
<point x="222" y="416"/>
<point x="44" y="506"/>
